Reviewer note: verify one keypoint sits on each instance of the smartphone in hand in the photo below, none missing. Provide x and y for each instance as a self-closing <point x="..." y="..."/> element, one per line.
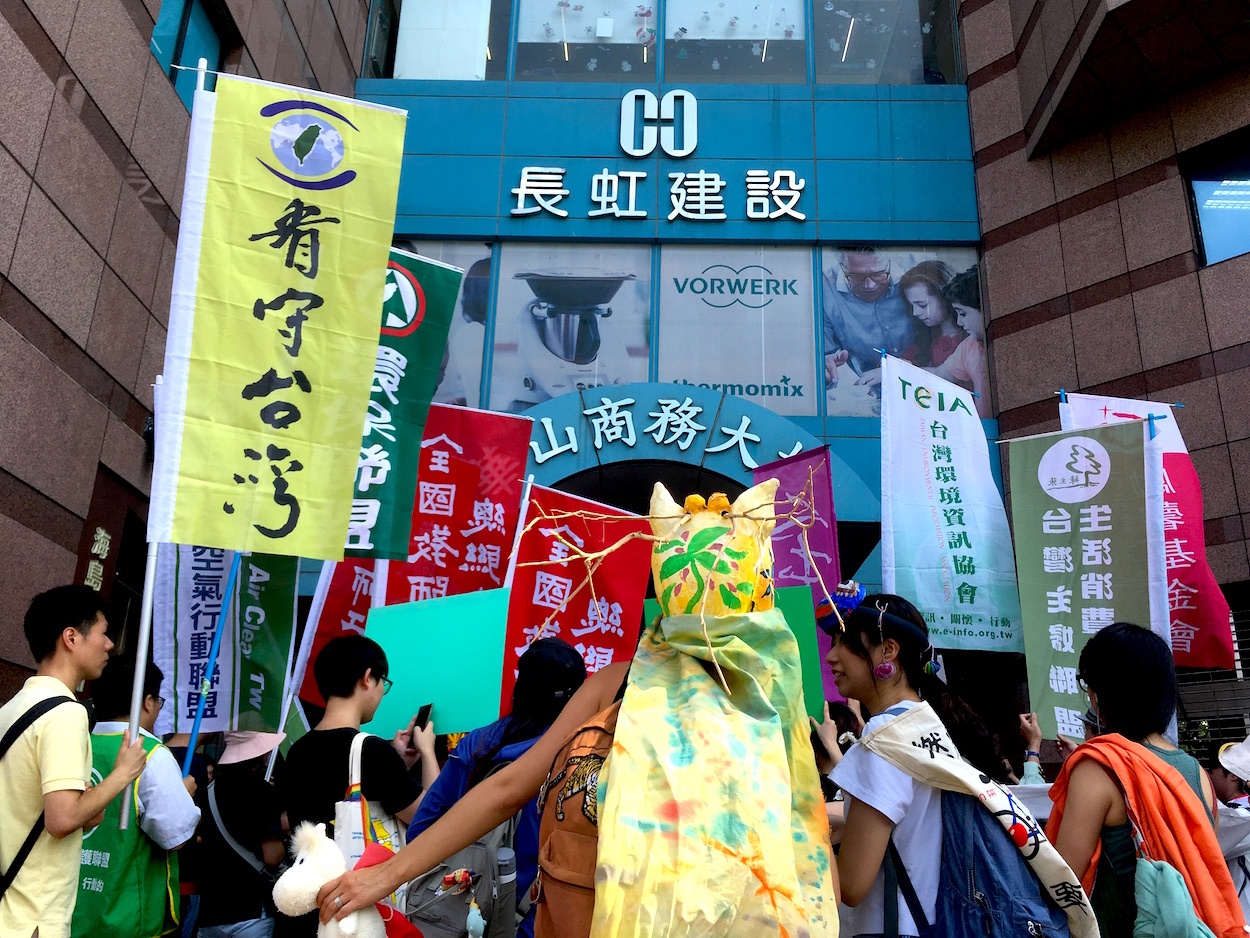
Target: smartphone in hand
<point x="423" y="716"/>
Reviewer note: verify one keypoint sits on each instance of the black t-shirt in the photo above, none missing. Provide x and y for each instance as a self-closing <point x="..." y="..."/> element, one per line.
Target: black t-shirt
<point x="230" y="889"/>
<point x="315" y="776"/>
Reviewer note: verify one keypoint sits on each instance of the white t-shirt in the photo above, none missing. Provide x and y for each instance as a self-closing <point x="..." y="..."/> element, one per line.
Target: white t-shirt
<point x="167" y="813"/>
<point x="916" y="810"/>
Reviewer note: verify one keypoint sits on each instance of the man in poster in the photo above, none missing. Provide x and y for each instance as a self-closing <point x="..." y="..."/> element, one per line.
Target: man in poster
<point x="864" y="312"/>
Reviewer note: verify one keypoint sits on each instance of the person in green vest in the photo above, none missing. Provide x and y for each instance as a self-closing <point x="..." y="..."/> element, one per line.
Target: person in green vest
<point x="128" y="879"/>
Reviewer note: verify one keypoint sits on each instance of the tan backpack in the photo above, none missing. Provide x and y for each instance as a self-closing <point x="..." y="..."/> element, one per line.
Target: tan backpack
<point x="568" y="842"/>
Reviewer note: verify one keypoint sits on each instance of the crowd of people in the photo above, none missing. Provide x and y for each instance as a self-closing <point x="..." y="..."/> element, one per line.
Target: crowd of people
<point x="1152" y="838"/>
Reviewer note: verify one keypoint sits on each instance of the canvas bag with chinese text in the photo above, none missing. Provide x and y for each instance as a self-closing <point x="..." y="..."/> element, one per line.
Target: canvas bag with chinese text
<point x="937" y="762"/>
<point x="355" y="825"/>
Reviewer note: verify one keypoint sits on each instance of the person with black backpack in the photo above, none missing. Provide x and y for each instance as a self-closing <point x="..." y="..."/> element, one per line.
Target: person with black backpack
<point x="932" y="844"/>
<point x="548" y="675"/>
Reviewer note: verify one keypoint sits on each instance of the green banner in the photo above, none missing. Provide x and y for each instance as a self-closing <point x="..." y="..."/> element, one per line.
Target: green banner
<point x="418" y="304"/>
<point x="1079" y="513"/>
<point x="264" y="607"/>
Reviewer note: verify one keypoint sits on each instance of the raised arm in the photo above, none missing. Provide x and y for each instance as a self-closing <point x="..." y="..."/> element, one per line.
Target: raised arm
<point x="68" y="810"/>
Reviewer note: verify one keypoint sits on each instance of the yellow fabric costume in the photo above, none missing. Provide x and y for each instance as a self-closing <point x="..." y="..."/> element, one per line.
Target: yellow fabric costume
<point x="711" y="816"/>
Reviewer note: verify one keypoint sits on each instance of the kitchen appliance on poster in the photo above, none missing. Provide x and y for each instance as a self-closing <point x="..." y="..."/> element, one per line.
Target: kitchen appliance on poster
<point x="569" y="318"/>
<point x="739" y="320"/>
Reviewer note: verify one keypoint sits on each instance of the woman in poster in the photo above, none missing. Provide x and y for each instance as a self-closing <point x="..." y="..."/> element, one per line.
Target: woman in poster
<point x="922" y="287"/>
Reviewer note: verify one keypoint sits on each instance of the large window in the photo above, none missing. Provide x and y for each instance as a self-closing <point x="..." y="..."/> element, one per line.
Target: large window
<point x="464" y="40"/>
<point x="1219" y="183"/>
<point x="885" y="42"/>
<point x="735" y="41"/>
<point x="601" y="40"/>
<point x="183" y="35"/>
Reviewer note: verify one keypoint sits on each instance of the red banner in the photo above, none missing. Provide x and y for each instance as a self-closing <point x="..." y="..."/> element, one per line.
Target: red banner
<point x="345" y="593"/>
<point x="596" y="608"/>
<point x="1197" y="609"/>
<point x="464" y="518"/>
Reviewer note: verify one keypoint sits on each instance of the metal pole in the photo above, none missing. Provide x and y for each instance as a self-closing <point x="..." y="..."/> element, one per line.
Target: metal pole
<point x="206" y="683"/>
<point x="520" y="527"/>
<point x="141" y="665"/>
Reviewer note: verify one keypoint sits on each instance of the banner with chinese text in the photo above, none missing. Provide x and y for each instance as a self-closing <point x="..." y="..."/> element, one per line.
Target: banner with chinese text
<point x="945" y="542"/>
<point x="420" y="299"/>
<point x="287" y="218"/>
<point x="1079" y="504"/>
<point x="345" y="593"/>
<point x="1197" y="612"/>
<point x="805" y="495"/>
<point x="596" y="608"/>
<point x="249" y="684"/>
<point x="464" y="520"/>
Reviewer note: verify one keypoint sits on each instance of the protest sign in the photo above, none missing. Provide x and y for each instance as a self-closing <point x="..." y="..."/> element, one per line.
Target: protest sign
<point x="1079" y="505"/>
<point x="345" y="593"/>
<point x="945" y="543"/>
<point x="249" y="685"/>
<point x="806" y="562"/>
<point x="1197" y="616"/>
<point x="596" y="607"/>
<point x="420" y="299"/>
<point x="459" y="665"/>
<point x="286" y="224"/>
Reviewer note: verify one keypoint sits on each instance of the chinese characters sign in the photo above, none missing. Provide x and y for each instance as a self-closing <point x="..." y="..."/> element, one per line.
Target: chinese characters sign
<point x="1079" y="511"/>
<point x="595" y="607"/>
<point x="945" y="543"/>
<point x="420" y="299"/>
<point x="468" y="499"/>
<point x="1197" y="618"/>
<point x="346" y="591"/>
<point x="248" y="686"/>
<point x="287" y="221"/>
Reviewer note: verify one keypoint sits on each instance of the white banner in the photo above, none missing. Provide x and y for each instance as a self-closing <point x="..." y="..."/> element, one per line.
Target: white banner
<point x="190" y="582"/>
<point x="945" y="543"/>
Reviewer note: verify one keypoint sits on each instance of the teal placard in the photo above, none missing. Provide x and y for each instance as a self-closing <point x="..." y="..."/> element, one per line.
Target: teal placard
<point x="446" y="651"/>
<point x="795" y="603"/>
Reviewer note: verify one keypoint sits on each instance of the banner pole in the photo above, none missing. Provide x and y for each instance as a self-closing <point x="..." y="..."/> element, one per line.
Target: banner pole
<point x="206" y="682"/>
<point x="141" y="665"/>
<point x="520" y="527"/>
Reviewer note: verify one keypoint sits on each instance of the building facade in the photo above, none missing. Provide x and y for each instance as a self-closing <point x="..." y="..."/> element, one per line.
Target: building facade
<point x="689" y="229"/>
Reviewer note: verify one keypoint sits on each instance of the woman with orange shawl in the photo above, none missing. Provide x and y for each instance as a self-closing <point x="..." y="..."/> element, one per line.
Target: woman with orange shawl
<point x="1130" y="777"/>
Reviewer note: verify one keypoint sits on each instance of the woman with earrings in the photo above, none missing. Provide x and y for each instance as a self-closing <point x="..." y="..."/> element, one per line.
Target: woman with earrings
<point x="1129" y="782"/>
<point x="884" y="659"/>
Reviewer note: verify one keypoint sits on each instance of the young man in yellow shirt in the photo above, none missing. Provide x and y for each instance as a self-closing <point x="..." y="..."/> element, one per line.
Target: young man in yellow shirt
<point x="45" y="775"/>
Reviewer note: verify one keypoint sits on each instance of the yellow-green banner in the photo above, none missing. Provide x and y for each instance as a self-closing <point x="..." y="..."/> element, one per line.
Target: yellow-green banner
<point x="288" y="214"/>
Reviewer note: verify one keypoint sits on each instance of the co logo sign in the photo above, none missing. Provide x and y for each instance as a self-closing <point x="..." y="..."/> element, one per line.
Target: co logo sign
<point x="671" y="121"/>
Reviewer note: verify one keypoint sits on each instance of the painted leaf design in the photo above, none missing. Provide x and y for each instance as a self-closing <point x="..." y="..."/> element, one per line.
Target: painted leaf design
<point x="729" y="598"/>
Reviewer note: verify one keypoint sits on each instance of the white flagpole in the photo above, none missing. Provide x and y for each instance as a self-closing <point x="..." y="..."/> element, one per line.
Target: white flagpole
<point x="141" y="665"/>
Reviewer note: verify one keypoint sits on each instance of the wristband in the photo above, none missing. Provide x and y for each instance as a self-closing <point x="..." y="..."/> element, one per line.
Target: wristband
<point x="1029" y="753"/>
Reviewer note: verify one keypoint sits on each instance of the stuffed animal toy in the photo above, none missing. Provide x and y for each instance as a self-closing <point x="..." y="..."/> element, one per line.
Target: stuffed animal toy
<point x="317" y="861"/>
<point x="713" y="558"/>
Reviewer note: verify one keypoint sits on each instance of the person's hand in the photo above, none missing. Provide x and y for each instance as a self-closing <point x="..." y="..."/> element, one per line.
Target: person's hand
<point x="354" y="890"/>
<point x="832" y="362"/>
<point x="827" y="732"/>
<point x="405" y="743"/>
<point x="423" y="740"/>
<point x="130" y="758"/>
<point x="872" y="377"/>
<point x="1066" y="747"/>
<point x="1031" y="730"/>
<point x="189" y="784"/>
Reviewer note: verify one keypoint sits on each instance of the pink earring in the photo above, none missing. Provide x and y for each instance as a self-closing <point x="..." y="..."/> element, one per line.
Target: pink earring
<point x="885" y="670"/>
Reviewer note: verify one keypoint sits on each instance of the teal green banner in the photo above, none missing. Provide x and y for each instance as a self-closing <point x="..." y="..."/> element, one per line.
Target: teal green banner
<point x="264" y="608"/>
<point x="1079" y="513"/>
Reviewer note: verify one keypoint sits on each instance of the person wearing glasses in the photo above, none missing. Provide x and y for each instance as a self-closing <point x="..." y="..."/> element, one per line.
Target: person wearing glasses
<point x="351" y="674"/>
<point x="1229" y="772"/>
<point x="864" y="311"/>
<point x="128" y="879"/>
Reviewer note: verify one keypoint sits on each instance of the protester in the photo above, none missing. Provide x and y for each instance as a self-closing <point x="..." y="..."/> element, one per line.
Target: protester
<point x="548" y="675"/>
<point x="483" y="808"/>
<point x="1130" y="770"/>
<point x="189" y="857"/>
<point x="1228" y="774"/>
<point x="885" y="661"/>
<point x="45" y="777"/>
<point x="839" y="729"/>
<point x="242" y="838"/>
<point x="128" y="883"/>
<point x="351" y="674"/>
<point x="1031" y="730"/>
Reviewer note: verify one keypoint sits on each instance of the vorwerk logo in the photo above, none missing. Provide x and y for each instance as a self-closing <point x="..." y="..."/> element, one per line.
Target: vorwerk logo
<point x="721" y="286"/>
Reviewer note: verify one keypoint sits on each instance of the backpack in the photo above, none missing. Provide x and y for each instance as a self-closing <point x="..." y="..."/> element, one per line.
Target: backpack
<point x="440" y="913"/>
<point x="986" y="889"/>
<point x="568" y="841"/>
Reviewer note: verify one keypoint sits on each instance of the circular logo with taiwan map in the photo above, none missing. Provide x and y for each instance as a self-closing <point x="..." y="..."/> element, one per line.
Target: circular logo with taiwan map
<point x="307" y="142"/>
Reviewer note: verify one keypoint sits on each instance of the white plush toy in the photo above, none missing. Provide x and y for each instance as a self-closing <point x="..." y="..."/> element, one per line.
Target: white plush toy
<point x="317" y="861"/>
